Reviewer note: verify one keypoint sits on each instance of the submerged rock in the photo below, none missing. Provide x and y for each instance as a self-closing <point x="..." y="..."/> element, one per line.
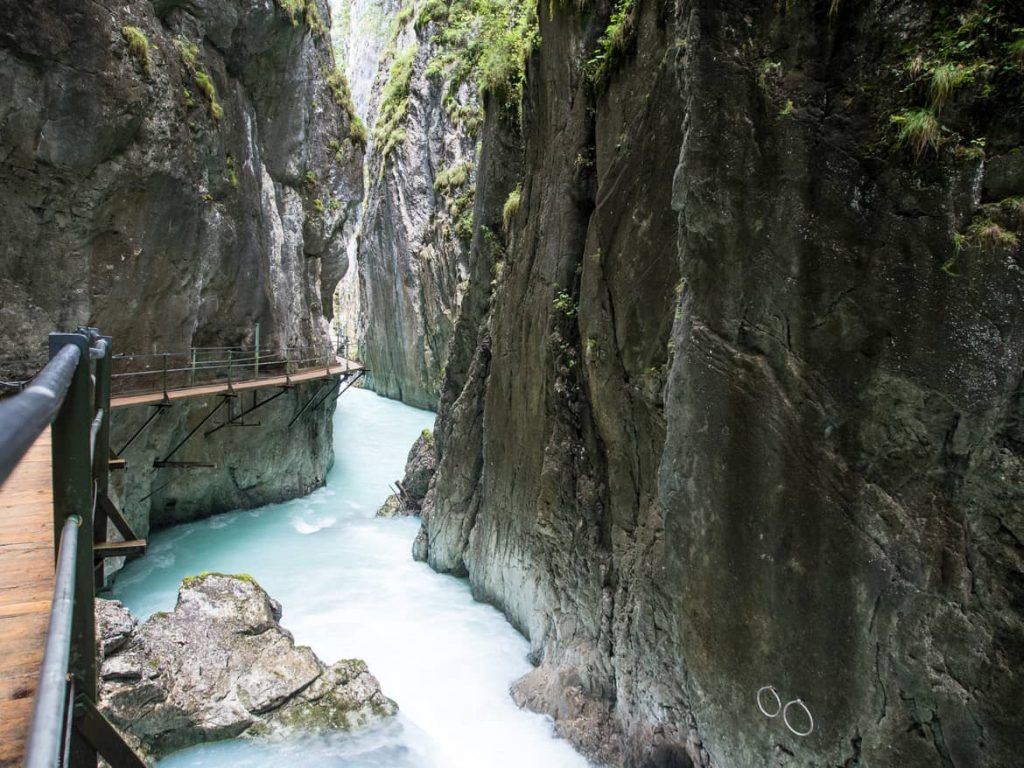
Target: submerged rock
<point x="220" y="666"/>
<point x="414" y="487"/>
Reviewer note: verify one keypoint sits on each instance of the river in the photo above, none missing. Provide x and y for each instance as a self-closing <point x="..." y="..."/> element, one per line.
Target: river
<point x="350" y="589"/>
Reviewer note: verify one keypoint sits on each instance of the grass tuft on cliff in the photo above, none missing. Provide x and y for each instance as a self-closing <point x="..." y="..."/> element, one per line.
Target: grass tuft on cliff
<point x="342" y="95"/>
<point x="209" y="90"/>
<point x="394" y="102"/>
<point x="918" y="129"/>
<point x="617" y="37"/>
<point x="138" y="45"/>
<point x="304" y="11"/>
<point x="511" y="207"/>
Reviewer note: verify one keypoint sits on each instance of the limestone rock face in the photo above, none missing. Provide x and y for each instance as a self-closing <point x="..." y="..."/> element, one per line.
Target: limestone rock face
<point x="221" y="666"/>
<point x="414" y="487"/>
<point x="269" y="463"/>
<point x="743" y="407"/>
<point x="171" y="173"/>
<point x="416" y="222"/>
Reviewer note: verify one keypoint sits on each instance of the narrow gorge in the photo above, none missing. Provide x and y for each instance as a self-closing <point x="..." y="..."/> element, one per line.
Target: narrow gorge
<point x="732" y="395"/>
<point x="698" y="327"/>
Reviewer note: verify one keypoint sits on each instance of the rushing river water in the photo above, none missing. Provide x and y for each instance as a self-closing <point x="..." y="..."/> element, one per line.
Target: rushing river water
<point x="350" y="589"/>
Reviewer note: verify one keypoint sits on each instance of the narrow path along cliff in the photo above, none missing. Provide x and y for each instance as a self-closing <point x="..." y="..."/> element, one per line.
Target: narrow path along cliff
<point x="349" y="587"/>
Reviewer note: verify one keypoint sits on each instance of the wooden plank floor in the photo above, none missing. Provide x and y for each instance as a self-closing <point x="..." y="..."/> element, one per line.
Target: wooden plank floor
<point x="26" y="590"/>
<point x="309" y="374"/>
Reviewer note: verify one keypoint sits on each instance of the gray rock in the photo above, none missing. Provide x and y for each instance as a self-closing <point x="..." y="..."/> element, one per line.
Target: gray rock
<point x="220" y="666"/>
<point x="167" y="217"/>
<point x="723" y="421"/>
<point x="420" y="467"/>
<point x="392" y="507"/>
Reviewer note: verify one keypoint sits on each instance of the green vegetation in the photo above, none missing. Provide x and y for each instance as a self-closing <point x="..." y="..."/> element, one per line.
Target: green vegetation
<point x="394" y="102"/>
<point x="188" y="52"/>
<point x="511" y="208"/>
<point x="209" y="90"/>
<point x="338" y="84"/>
<point x="304" y="10"/>
<point x="232" y="175"/>
<point x="138" y="45"/>
<point x="968" y="68"/>
<point x="311" y="179"/>
<point x="453" y="177"/>
<point x="190" y="581"/>
<point x="318" y="205"/>
<point x="564" y="303"/>
<point x="988" y="235"/>
<point x="432" y="10"/>
<point x="918" y="129"/>
<point x="615" y="41"/>
<point x="486" y="42"/>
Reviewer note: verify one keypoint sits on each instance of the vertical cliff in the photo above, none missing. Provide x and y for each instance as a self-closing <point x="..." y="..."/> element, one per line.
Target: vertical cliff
<point x="417" y="222"/>
<point x="736" y="400"/>
<point x="172" y="173"/>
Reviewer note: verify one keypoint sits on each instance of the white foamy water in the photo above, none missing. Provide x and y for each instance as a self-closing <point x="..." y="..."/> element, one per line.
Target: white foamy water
<point x="351" y="589"/>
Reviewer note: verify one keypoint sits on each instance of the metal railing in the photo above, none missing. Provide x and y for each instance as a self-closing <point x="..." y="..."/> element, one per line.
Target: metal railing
<point x="73" y="394"/>
<point x="169" y="371"/>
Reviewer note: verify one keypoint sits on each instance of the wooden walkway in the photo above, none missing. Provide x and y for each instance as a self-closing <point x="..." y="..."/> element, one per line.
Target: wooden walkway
<point x="27" y="560"/>
<point x="26" y="590"/>
<point x="220" y="388"/>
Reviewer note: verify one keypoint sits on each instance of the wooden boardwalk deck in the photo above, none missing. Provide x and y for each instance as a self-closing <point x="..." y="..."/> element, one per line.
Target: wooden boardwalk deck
<point x="219" y="388"/>
<point x="26" y="590"/>
<point x="27" y="560"/>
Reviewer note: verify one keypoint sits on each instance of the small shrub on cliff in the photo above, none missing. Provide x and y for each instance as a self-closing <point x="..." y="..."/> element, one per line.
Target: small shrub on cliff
<point x="511" y="208"/>
<point x="138" y="45"/>
<point x="209" y="90"/>
<point x="189" y="52"/>
<point x="918" y="129"/>
<point x="990" y="236"/>
<point x="614" y="42"/>
<point x="304" y="10"/>
<point x="394" y="102"/>
<point x="563" y="303"/>
<point x="432" y="10"/>
<point x="453" y="177"/>
<point x="342" y="95"/>
<point x="508" y="34"/>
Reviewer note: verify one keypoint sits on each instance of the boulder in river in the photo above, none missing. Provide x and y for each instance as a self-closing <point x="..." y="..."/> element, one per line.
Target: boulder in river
<point x="420" y="467"/>
<point x="221" y="666"/>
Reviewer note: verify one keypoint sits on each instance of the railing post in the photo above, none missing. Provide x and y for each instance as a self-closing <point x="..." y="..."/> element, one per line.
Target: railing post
<point x="101" y="450"/>
<point x="165" y="376"/>
<point x="231" y="360"/>
<point x="256" y="372"/>
<point x="73" y="495"/>
<point x="192" y="375"/>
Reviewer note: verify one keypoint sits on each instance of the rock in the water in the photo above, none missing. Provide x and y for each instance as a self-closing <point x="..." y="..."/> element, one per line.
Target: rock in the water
<point x="420" y="466"/>
<point x="392" y="507"/>
<point x="419" y="471"/>
<point x="221" y="666"/>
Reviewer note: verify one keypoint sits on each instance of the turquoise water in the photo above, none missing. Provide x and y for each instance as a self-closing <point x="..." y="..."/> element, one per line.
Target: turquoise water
<point x="351" y="589"/>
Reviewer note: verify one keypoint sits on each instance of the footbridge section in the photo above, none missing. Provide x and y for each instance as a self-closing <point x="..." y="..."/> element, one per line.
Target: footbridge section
<point x="56" y="508"/>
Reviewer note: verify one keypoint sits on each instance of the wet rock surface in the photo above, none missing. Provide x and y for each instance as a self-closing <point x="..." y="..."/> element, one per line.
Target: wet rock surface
<point x="724" y="418"/>
<point x="265" y="464"/>
<point x="414" y="487"/>
<point x="416" y="222"/>
<point x="221" y="666"/>
<point x="171" y="173"/>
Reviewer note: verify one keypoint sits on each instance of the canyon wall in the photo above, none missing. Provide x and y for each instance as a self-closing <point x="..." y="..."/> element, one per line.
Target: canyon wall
<point x="417" y="219"/>
<point x="172" y="174"/>
<point x="175" y="174"/>
<point x="260" y="459"/>
<point x="736" y="402"/>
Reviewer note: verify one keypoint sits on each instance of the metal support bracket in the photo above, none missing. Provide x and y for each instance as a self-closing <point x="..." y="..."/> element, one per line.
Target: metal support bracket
<point x="102" y="736"/>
